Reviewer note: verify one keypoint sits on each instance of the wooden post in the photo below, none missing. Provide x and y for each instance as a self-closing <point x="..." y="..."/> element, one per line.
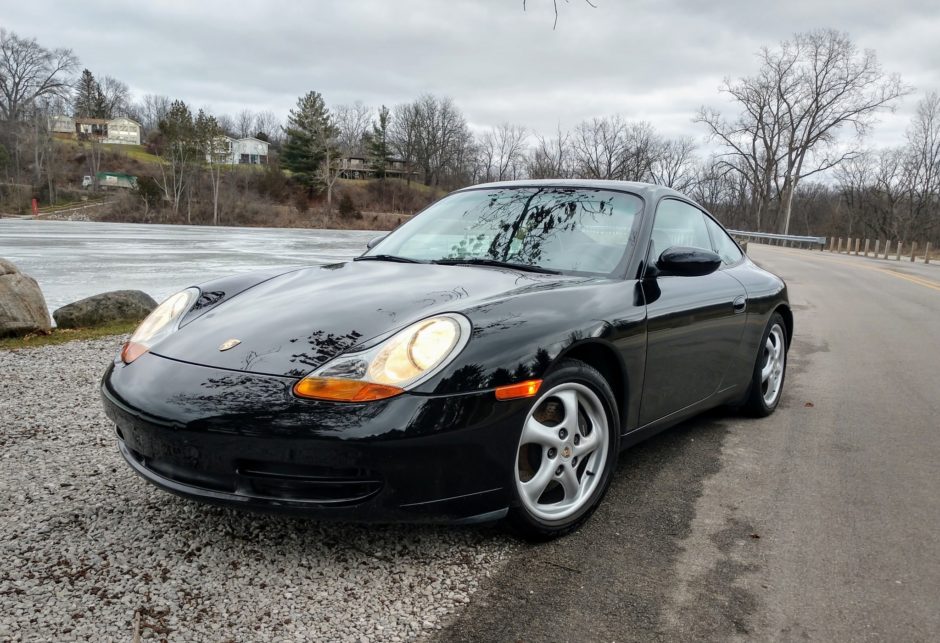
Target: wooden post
<point x="913" y="250"/>
<point x="858" y="242"/>
<point x="887" y="247"/>
<point x="927" y="253"/>
<point x="839" y="249"/>
<point x="832" y="244"/>
<point x="900" y="246"/>
<point x="877" y="247"/>
<point x="867" y="243"/>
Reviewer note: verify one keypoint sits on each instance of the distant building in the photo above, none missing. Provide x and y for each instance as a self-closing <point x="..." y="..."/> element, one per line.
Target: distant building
<point x="120" y="130"/>
<point x="123" y="130"/>
<point x="360" y="167"/>
<point x="355" y="167"/>
<point x="240" y="151"/>
<point x="250" y="151"/>
<point x="107" y="180"/>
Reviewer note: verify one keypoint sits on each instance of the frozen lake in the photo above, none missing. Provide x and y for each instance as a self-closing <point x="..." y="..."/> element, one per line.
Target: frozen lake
<point x="73" y="260"/>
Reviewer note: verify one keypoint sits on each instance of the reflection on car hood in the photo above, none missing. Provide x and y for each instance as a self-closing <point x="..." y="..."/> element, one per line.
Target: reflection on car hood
<point x="298" y="321"/>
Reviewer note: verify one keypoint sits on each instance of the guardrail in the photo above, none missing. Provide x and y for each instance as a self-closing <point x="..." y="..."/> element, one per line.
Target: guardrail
<point x="893" y="250"/>
<point x="791" y="240"/>
<point x="852" y="246"/>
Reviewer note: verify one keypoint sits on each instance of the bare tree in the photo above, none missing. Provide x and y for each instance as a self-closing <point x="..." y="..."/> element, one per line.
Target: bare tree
<point x="116" y="95"/>
<point x="550" y="158"/>
<point x="211" y="138"/>
<point x="29" y="71"/>
<point x="502" y="152"/>
<point x="431" y="133"/>
<point x="403" y="135"/>
<point x="182" y="152"/>
<point x="269" y="125"/>
<point x="804" y="95"/>
<point x="839" y="86"/>
<point x="153" y="108"/>
<point x="641" y="147"/>
<point x="923" y="165"/>
<point x="555" y="6"/>
<point x="245" y="124"/>
<point x="599" y="147"/>
<point x="353" y="123"/>
<point x="751" y="142"/>
<point x="674" y="164"/>
<point x="227" y="124"/>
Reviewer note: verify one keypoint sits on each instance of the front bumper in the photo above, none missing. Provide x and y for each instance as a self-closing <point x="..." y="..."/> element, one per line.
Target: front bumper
<point x="242" y="439"/>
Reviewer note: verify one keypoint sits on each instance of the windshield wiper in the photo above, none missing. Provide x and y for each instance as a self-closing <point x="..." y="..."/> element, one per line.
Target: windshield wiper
<point x="496" y="263"/>
<point x="395" y="258"/>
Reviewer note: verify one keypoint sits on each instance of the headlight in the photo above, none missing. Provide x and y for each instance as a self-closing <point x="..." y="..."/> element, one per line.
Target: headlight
<point x="404" y="360"/>
<point x="164" y="320"/>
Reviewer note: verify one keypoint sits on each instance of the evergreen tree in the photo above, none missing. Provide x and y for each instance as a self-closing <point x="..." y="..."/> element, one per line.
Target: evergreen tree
<point x="101" y="109"/>
<point x="378" y="144"/>
<point x="90" y="98"/>
<point x="182" y="152"/>
<point x="310" y="135"/>
<point x="87" y="96"/>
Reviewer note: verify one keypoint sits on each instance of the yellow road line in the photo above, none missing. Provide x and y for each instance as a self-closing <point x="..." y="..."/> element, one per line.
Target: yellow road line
<point x="920" y="281"/>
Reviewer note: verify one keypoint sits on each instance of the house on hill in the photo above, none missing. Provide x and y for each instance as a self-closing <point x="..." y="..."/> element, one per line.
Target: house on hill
<point x="240" y="151"/>
<point x="250" y="151"/>
<point x="360" y="167"/>
<point x="120" y="130"/>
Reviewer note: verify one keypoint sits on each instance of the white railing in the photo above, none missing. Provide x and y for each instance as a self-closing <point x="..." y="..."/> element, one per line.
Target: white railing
<point x="791" y="240"/>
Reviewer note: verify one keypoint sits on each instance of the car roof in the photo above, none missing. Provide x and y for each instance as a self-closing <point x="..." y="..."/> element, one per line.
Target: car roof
<point x="646" y="190"/>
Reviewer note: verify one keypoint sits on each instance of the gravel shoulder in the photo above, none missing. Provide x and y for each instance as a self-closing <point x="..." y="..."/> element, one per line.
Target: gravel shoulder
<point x="90" y="551"/>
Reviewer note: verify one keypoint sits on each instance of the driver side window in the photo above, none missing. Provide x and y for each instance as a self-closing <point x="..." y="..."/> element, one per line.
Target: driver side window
<point x="678" y="224"/>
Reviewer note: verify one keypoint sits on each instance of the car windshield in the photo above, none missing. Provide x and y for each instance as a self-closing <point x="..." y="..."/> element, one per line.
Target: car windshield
<point x="563" y="229"/>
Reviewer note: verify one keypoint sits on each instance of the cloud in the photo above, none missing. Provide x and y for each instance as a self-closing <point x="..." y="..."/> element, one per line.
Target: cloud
<point x="652" y="60"/>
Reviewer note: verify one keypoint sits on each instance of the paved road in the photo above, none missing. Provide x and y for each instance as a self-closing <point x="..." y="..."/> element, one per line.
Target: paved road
<point x="820" y="523"/>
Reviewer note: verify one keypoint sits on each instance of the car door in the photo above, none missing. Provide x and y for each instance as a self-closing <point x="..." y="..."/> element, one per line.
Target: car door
<point x="694" y="324"/>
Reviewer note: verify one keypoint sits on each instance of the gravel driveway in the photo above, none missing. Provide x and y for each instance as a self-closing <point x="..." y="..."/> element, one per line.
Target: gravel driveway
<point x="90" y="551"/>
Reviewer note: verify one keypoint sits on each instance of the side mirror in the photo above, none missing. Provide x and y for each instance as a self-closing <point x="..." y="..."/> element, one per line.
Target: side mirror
<point x="687" y="262"/>
<point x="374" y="242"/>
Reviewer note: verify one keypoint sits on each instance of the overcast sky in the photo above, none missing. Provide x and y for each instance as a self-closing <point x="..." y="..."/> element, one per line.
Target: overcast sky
<point x="656" y="60"/>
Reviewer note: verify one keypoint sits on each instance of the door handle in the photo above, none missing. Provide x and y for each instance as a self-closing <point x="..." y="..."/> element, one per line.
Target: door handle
<point x="740" y="304"/>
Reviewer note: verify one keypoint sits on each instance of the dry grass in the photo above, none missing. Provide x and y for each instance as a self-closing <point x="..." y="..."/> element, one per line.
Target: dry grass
<point x="63" y="335"/>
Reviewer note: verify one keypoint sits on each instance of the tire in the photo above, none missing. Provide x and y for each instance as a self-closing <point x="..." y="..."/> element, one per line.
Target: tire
<point x="767" y="388"/>
<point x="583" y="445"/>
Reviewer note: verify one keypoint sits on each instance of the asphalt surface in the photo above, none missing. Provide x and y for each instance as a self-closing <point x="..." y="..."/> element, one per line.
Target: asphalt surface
<point x="821" y="522"/>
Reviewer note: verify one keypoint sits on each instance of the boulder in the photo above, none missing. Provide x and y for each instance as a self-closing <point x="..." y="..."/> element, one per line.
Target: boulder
<point x="106" y="308"/>
<point x="22" y="306"/>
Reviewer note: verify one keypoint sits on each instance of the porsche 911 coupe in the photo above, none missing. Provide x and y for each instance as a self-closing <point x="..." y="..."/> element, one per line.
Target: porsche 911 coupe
<point x="488" y="359"/>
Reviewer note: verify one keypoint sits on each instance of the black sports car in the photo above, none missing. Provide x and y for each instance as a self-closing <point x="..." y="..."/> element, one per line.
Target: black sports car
<point x="487" y="359"/>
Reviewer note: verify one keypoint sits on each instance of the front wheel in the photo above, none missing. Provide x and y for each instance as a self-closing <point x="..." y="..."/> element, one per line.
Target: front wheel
<point x="770" y="370"/>
<point x="566" y="454"/>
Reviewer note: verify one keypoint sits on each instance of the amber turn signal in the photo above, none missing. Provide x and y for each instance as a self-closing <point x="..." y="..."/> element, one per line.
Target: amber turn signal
<point x="131" y="351"/>
<point x="515" y="391"/>
<point x="340" y="390"/>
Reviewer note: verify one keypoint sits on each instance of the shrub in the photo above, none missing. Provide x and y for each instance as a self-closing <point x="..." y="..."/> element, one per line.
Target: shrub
<point x="347" y="207"/>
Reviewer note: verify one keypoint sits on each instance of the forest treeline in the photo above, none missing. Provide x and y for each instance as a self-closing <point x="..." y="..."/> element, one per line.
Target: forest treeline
<point x="789" y="154"/>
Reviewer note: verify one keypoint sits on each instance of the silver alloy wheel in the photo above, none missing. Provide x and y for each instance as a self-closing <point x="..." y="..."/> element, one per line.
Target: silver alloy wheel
<point x="771" y="374"/>
<point x="560" y="460"/>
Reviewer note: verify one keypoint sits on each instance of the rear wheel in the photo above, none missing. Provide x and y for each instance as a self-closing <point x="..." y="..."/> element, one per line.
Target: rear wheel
<point x="770" y="369"/>
<point x="567" y="452"/>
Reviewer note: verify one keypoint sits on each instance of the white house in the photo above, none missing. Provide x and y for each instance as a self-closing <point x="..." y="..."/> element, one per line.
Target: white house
<point x="250" y="151"/>
<point x="120" y="130"/>
<point x="240" y="151"/>
<point x="124" y="131"/>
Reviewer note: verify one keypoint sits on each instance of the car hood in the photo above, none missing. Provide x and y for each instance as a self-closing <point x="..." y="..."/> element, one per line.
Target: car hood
<point x="294" y="323"/>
